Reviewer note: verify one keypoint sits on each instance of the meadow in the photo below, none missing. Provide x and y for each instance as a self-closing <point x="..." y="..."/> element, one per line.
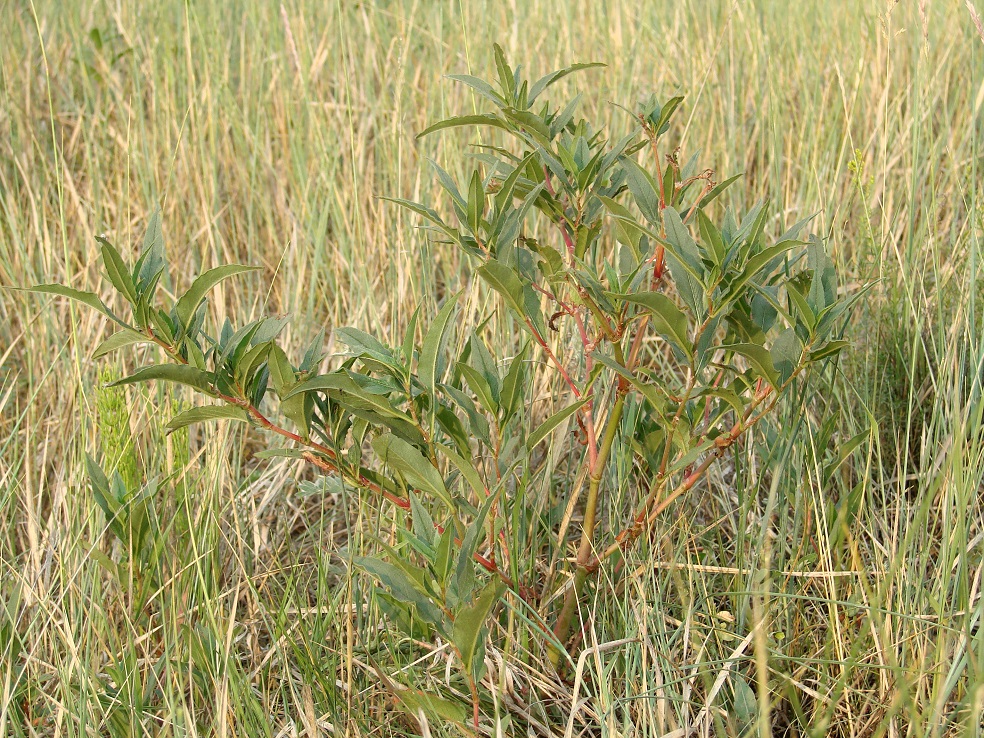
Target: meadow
<point x="825" y="579"/>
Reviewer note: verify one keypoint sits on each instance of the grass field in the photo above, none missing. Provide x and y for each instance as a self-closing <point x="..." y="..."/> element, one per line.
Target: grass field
<point x="266" y="132"/>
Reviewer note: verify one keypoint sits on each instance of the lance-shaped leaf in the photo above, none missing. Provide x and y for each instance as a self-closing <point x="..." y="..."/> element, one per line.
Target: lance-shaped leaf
<point x="468" y="472"/>
<point x="363" y="345"/>
<point x="827" y="350"/>
<point x="190" y="300"/>
<point x="514" y="383"/>
<point x="406" y="588"/>
<point x="480" y="86"/>
<point x="177" y="373"/>
<point x="117" y="271"/>
<point x="544" y="82"/>
<point x="719" y="189"/>
<point x="755" y="265"/>
<point x="548" y="425"/>
<point x="432" y="362"/>
<point x="786" y="353"/>
<point x="124" y="337"/>
<point x="469" y="627"/>
<point x="486" y="119"/>
<point x="643" y="188"/>
<point x="668" y="320"/>
<point x="201" y="414"/>
<point x="86" y="298"/>
<point x="505" y="281"/>
<point x="758" y="358"/>
<point x="409" y="463"/>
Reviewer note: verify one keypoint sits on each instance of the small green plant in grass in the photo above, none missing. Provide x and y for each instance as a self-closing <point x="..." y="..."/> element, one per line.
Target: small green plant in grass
<point x="663" y="329"/>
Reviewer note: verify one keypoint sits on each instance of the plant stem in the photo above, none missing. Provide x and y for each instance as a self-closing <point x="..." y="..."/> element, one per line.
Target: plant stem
<point x="562" y="627"/>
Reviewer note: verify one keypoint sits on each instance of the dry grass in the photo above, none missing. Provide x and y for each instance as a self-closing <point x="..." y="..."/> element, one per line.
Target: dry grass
<point x="844" y="603"/>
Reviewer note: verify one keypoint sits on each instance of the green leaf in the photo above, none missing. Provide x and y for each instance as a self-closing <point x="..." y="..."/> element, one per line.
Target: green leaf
<point x="201" y="414"/>
<point x="505" y="281"/>
<point x="86" y="298"/>
<point x="486" y="119"/>
<point x="544" y="82"/>
<point x="514" y="383"/>
<point x="413" y="700"/>
<point x="755" y="265"/>
<point x="409" y="463"/>
<point x="650" y="391"/>
<point x="423" y="524"/>
<point x="406" y="588"/>
<point x="481" y="360"/>
<point x="828" y="350"/>
<point x="480" y="86"/>
<point x="786" y="353"/>
<point x="643" y="188"/>
<point x="758" y="358"/>
<point x="679" y="237"/>
<point x="151" y="262"/>
<point x="668" y="320"/>
<point x="425" y="212"/>
<point x="711" y="237"/>
<point x="626" y="229"/>
<point x="683" y="259"/>
<point x="124" y="337"/>
<point x="177" y="373"/>
<point x="548" y="425"/>
<point x="843" y="454"/>
<point x="506" y="80"/>
<point x="463" y="582"/>
<point x="476" y="203"/>
<point x="362" y="344"/>
<point x="479" y="385"/>
<point x="719" y="189"/>
<point x="468" y="472"/>
<point x="189" y="302"/>
<point x="116" y="270"/>
<point x="432" y="360"/>
<point x="469" y="625"/>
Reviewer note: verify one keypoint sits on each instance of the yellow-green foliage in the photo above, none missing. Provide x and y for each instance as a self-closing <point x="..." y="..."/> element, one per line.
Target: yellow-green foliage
<point x="267" y="131"/>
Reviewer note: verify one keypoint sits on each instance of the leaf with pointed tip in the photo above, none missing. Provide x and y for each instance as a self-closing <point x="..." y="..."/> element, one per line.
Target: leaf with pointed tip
<point x="480" y="86"/>
<point x="786" y="353"/>
<point x="404" y="587"/>
<point x="759" y="358"/>
<point x="189" y="302"/>
<point x="409" y="463"/>
<point x="414" y="701"/>
<point x="668" y="320"/>
<point x="643" y="189"/>
<point x="151" y="262"/>
<point x="468" y="472"/>
<point x="177" y="373"/>
<point x="486" y="119"/>
<point x="86" y="298"/>
<point x="432" y="363"/>
<point x="544" y="82"/>
<point x="362" y="344"/>
<point x="118" y="274"/>
<point x="505" y="281"/>
<point x="514" y="383"/>
<point x="469" y="625"/>
<point x="755" y="265"/>
<point x="201" y="414"/>
<point x="551" y="423"/>
<point x="124" y="337"/>
<point x="480" y="386"/>
<point x="830" y="349"/>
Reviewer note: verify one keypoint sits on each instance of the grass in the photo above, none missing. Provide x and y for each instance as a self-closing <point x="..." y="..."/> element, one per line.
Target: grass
<point x="809" y="588"/>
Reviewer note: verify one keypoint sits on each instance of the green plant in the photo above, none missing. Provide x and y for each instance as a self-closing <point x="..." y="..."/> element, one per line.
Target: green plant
<point x="661" y="333"/>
